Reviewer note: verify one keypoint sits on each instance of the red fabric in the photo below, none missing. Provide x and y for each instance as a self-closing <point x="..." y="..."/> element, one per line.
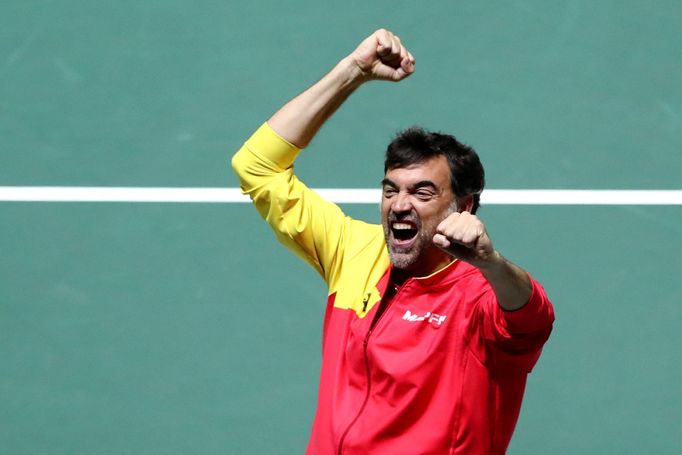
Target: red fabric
<point x="443" y="369"/>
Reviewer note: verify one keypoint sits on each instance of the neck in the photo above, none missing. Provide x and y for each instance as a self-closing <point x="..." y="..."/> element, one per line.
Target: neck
<point x="438" y="263"/>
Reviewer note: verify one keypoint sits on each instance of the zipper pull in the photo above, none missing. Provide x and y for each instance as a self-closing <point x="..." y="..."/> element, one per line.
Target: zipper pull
<point x="365" y="302"/>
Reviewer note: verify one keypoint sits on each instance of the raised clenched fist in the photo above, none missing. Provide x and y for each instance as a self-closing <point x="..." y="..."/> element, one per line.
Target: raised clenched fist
<point x="382" y="56"/>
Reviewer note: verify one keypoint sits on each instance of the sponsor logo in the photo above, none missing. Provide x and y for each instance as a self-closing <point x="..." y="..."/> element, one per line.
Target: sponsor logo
<point x="430" y="318"/>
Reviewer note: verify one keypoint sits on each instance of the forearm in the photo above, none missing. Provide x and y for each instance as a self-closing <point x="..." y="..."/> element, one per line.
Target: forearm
<point x="380" y="56"/>
<point x="300" y="119"/>
<point x="510" y="282"/>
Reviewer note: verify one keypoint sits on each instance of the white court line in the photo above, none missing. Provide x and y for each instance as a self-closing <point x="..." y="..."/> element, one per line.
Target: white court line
<point x="340" y="195"/>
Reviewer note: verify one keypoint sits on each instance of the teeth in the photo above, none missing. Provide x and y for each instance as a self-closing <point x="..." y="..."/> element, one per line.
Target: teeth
<point x="402" y="226"/>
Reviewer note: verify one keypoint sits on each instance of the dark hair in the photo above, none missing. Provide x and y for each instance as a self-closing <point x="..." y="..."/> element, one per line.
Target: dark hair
<point x="416" y="145"/>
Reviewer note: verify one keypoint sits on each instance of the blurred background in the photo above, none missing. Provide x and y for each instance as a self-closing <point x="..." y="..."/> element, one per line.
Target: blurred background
<point x="185" y="328"/>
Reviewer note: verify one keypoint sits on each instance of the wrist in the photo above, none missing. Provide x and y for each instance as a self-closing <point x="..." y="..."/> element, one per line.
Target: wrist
<point x="494" y="262"/>
<point x="351" y="73"/>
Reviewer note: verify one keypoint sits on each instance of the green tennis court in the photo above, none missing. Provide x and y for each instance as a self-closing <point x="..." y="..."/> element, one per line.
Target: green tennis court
<point x="175" y="328"/>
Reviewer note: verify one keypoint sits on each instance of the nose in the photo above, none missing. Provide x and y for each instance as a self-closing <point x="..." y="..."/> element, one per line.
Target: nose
<point x="401" y="203"/>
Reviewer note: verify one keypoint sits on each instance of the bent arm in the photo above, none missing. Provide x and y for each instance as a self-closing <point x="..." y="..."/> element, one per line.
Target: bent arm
<point x="312" y="227"/>
<point x="464" y="236"/>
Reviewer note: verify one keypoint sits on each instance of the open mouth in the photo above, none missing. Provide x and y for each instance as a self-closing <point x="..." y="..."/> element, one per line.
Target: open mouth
<point x="403" y="232"/>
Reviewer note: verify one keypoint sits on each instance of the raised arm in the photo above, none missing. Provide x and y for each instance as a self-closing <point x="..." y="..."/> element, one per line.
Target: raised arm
<point x="307" y="224"/>
<point x="381" y="56"/>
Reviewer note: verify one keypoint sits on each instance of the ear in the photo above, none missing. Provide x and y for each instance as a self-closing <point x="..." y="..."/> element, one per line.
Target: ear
<point x="465" y="204"/>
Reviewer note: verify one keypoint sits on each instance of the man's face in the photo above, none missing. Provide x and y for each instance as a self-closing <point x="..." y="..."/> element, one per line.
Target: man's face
<point x="415" y="199"/>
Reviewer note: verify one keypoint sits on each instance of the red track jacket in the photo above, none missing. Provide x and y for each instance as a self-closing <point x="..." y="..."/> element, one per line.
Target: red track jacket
<point x="441" y="371"/>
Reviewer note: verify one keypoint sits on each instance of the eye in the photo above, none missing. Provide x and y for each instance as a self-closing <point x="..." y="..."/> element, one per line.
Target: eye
<point x="388" y="192"/>
<point x="424" y="195"/>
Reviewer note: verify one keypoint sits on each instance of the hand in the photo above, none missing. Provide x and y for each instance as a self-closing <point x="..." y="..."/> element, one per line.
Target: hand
<point x="382" y="56"/>
<point x="463" y="236"/>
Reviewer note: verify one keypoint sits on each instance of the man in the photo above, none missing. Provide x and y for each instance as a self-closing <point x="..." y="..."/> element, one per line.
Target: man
<point x="429" y="332"/>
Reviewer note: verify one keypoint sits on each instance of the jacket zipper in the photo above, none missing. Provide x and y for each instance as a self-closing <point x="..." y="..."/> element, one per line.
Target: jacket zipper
<point x="367" y="370"/>
<point x="364" y="402"/>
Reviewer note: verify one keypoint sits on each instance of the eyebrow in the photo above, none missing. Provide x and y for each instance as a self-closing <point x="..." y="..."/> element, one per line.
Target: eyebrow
<point x="420" y="184"/>
<point x="388" y="182"/>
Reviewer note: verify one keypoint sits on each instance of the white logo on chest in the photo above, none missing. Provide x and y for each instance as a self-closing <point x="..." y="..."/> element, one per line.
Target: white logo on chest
<point x="430" y="318"/>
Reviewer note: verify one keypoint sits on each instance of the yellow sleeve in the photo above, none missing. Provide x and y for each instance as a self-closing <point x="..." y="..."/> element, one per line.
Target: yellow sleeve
<point x="310" y="226"/>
